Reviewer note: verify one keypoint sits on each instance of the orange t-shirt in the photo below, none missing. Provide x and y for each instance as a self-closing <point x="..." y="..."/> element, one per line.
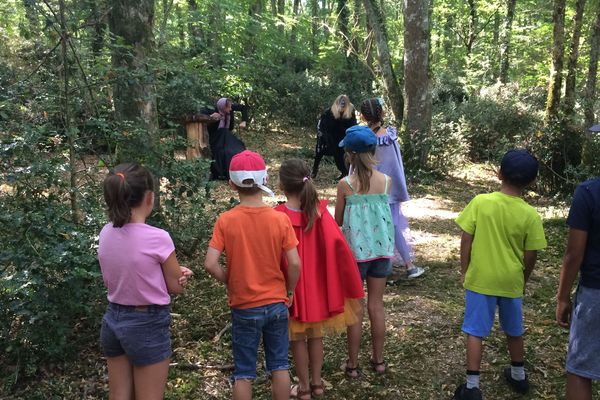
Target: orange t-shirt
<point x="254" y="239"/>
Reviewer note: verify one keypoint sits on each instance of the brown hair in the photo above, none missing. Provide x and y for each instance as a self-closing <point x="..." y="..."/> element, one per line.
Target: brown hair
<point x="294" y="178"/>
<point x="362" y="164"/>
<point x="371" y="110"/>
<point x="248" y="191"/>
<point x="125" y="188"/>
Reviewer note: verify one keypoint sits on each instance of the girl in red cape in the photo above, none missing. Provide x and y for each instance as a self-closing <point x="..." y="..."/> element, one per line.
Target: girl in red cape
<point x="327" y="297"/>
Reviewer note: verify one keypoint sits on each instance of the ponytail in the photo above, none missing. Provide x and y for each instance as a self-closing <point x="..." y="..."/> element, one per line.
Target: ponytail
<point x="125" y="188"/>
<point x="294" y="178"/>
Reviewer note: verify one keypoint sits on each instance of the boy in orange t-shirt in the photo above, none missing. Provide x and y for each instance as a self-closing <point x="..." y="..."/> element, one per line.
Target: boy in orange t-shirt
<point x="254" y="237"/>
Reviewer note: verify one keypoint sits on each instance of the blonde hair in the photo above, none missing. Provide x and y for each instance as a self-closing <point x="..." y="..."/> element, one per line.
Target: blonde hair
<point x="362" y="164"/>
<point x="348" y="109"/>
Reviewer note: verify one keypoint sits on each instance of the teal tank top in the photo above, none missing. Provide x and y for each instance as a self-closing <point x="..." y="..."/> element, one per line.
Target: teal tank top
<point x="368" y="225"/>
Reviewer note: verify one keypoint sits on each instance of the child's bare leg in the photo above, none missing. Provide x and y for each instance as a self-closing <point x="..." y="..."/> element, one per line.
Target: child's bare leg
<point x="242" y="389"/>
<point x="300" y="353"/>
<point x="315" y="351"/>
<point x="120" y="378"/>
<point x="280" y="387"/>
<point x="516" y="348"/>
<point x="150" y="380"/>
<point x="376" y="287"/>
<point x="578" y="388"/>
<point x="474" y="352"/>
<point x="354" y="333"/>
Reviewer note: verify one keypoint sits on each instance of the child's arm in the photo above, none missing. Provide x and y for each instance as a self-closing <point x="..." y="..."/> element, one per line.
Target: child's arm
<point x="293" y="268"/>
<point x="340" y="202"/>
<point x="172" y="273"/>
<point x="466" y="242"/>
<point x="211" y="265"/>
<point x="576" y="244"/>
<point x="529" y="259"/>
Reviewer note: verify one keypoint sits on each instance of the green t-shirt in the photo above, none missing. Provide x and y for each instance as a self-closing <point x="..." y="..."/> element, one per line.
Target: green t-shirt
<point x="503" y="227"/>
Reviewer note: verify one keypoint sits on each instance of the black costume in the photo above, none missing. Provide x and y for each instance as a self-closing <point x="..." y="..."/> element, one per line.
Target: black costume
<point x="224" y="144"/>
<point x="330" y="132"/>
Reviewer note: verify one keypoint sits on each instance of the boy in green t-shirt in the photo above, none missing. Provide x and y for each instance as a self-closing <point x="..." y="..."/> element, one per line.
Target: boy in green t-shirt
<point x="498" y="249"/>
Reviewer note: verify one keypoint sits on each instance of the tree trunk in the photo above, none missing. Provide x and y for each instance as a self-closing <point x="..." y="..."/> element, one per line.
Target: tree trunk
<point x="295" y="10"/>
<point x="69" y="133"/>
<point x="569" y="101"/>
<point x="194" y="29"/>
<point x="355" y="43"/>
<point x="314" y="12"/>
<point x="471" y="33"/>
<point x="98" y="26"/>
<point x="505" y="44"/>
<point x="554" y="87"/>
<point x="417" y="96"/>
<point x="390" y="83"/>
<point x="589" y="97"/>
<point x="131" y="24"/>
<point x="281" y="15"/>
<point x="343" y="20"/>
<point x="274" y="8"/>
<point x="32" y="18"/>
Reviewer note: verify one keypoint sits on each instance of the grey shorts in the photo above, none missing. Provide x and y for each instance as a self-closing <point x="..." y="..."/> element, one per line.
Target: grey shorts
<point x="584" y="346"/>
<point x="140" y="332"/>
<point x="378" y="268"/>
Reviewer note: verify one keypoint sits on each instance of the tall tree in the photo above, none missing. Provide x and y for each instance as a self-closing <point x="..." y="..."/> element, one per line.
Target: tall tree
<point x="194" y="30"/>
<point x="505" y="43"/>
<point x="343" y="17"/>
<point x="569" y="100"/>
<point x="590" y="85"/>
<point x="554" y="86"/>
<point x="417" y="96"/>
<point x="390" y="82"/>
<point x="131" y="24"/>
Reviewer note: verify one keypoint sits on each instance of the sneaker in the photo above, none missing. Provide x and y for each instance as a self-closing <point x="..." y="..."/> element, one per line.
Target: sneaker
<point x="414" y="272"/>
<point x="518" y="386"/>
<point x="462" y="393"/>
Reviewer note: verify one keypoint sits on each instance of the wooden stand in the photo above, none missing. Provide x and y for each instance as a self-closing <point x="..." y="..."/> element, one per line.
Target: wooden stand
<point x="197" y="136"/>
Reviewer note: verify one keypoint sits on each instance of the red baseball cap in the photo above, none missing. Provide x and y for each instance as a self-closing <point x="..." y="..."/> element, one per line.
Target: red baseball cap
<point x="249" y="165"/>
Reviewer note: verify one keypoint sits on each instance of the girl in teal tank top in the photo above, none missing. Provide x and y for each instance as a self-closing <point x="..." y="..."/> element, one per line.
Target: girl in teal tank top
<point x="362" y="210"/>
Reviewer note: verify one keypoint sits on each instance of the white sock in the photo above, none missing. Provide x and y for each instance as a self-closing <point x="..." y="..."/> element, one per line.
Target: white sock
<point x="472" y="381"/>
<point x="517" y="373"/>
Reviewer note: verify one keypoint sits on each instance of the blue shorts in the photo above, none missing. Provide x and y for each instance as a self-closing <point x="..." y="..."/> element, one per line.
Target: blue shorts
<point x="584" y="346"/>
<point x="480" y="311"/>
<point x="247" y="326"/>
<point x="140" y="332"/>
<point x="378" y="268"/>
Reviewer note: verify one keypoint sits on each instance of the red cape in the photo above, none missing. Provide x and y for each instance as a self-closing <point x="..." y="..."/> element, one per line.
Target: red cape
<point x="329" y="273"/>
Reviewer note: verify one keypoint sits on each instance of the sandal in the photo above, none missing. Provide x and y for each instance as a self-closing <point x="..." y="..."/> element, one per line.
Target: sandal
<point x="317" y="390"/>
<point x="351" y="372"/>
<point x="300" y="394"/>
<point x="376" y="366"/>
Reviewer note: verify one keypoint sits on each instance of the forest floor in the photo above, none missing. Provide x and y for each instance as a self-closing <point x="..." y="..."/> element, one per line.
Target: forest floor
<point x="424" y="345"/>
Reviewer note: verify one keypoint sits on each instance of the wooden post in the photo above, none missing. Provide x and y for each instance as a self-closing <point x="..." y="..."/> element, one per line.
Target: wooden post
<point x="197" y="137"/>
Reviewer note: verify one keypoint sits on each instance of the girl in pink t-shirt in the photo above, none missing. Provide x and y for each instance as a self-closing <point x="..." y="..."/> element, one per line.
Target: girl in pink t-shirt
<point x="140" y="270"/>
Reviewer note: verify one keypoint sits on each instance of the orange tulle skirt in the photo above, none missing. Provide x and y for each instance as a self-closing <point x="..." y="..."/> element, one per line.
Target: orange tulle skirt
<point x="334" y="325"/>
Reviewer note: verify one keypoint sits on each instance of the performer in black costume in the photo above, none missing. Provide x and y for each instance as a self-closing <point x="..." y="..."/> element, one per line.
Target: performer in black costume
<point x="331" y="129"/>
<point x="223" y="143"/>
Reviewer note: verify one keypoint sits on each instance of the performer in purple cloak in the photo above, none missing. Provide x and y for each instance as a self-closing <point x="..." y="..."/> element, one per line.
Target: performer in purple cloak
<point x="390" y="163"/>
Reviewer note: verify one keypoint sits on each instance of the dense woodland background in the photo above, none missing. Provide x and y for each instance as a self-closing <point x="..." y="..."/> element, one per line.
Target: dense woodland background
<point x="86" y="84"/>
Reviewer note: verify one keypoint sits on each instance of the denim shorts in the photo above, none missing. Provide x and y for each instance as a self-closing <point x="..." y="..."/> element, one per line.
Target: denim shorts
<point x="378" y="268"/>
<point x="480" y="311"/>
<point x="584" y="346"/>
<point x="247" y="326"/>
<point x="140" y="332"/>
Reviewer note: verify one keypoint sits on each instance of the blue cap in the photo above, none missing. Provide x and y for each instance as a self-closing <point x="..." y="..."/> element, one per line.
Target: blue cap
<point x="359" y="138"/>
<point x="519" y="167"/>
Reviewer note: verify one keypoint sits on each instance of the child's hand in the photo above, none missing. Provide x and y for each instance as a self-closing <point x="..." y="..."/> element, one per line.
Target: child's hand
<point x="290" y="300"/>
<point x="563" y="313"/>
<point x="186" y="273"/>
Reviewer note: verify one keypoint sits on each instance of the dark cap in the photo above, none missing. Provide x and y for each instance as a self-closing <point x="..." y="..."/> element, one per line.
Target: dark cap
<point x="359" y="139"/>
<point x="519" y="167"/>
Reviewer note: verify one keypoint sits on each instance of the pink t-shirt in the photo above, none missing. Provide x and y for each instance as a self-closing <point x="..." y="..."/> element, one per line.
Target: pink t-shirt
<point x="130" y="259"/>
